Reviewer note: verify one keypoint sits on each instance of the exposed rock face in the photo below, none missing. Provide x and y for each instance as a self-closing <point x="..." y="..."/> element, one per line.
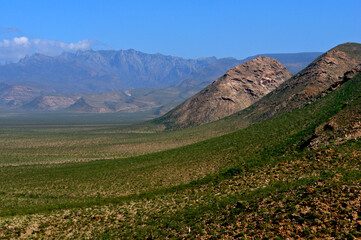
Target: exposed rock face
<point x="328" y="71"/>
<point x="237" y="89"/>
<point x="322" y="76"/>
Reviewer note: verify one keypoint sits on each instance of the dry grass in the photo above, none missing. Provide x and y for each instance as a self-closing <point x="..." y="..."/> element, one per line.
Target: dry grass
<point x="39" y="144"/>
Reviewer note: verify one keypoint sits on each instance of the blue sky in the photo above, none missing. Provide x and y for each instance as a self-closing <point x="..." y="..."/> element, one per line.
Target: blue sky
<point x="191" y="29"/>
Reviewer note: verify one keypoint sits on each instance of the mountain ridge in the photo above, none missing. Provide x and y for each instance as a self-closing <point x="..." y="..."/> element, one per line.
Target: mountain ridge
<point x="319" y="78"/>
<point x="313" y="82"/>
<point x="100" y="71"/>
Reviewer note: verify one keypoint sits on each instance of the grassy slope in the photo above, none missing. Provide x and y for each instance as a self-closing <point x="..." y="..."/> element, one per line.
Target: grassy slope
<point x="248" y="153"/>
<point x="309" y="195"/>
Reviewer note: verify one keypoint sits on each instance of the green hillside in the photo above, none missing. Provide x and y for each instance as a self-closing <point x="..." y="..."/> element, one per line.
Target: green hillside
<point x="242" y="184"/>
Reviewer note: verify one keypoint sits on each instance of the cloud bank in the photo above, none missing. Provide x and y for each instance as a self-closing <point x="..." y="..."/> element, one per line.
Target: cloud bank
<point x="14" y="49"/>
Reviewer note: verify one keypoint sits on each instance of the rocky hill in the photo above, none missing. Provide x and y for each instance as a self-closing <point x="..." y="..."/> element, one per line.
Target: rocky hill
<point x="237" y="89"/>
<point x="134" y="100"/>
<point x="50" y="102"/>
<point x="82" y="106"/>
<point x="17" y="95"/>
<point x="323" y="75"/>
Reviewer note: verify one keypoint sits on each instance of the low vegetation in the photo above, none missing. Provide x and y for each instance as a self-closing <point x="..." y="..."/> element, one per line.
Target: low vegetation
<point x="259" y="181"/>
<point x="49" y="143"/>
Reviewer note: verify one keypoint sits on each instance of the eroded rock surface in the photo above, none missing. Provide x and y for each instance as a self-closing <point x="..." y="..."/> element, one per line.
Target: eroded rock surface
<point x="237" y="89"/>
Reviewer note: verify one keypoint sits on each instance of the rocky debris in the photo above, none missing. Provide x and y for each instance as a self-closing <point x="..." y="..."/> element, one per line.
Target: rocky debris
<point x="321" y="211"/>
<point x="237" y="89"/>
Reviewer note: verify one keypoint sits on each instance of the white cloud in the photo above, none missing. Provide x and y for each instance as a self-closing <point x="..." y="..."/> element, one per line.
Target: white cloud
<point x="24" y="41"/>
<point x="14" y="49"/>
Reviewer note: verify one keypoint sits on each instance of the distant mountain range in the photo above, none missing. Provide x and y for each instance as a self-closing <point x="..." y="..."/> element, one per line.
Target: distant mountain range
<point x="51" y="83"/>
<point x="102" y="71"/>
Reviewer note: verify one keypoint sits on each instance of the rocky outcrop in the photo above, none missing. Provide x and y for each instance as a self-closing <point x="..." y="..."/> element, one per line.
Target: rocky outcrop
<point x="237" y="89"/>
<point x="322" y="76"/>
<point x="343" y="127"/>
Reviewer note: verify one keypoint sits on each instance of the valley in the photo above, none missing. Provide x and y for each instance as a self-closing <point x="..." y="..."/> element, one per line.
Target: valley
<point x="179" y="120"/>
